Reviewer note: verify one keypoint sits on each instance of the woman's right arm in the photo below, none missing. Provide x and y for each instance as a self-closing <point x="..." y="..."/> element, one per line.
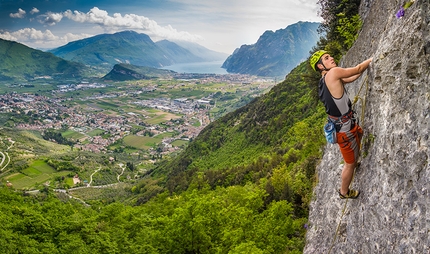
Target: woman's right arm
<point x="349" y="74"/>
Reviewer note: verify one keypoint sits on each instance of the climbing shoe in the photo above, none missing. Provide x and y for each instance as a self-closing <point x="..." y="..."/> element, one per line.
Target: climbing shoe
<point x="351" y="194"/>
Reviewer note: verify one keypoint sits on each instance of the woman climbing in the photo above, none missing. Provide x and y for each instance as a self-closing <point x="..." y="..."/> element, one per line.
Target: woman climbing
<point x="332" y="93"/>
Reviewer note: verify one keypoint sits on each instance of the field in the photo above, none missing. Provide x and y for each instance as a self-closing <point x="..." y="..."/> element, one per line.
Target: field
<point x="39" y="172"/>
<point x="140" y="142"/>
<point x="96" y="132"/>
<point x="70" y="134"/>
<point x="142" y="109"/>
<point x="157" y="116"/>
<point x="179" y="143"/>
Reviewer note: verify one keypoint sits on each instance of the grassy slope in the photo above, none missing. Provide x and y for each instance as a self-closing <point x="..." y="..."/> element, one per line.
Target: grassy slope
<point x="21" y="62"/>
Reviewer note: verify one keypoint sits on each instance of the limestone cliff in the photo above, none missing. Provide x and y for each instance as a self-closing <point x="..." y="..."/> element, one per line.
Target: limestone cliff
<point x="392" y="214"/>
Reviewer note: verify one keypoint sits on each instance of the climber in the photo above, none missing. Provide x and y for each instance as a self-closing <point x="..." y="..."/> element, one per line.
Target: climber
<point x="333" y="94"/>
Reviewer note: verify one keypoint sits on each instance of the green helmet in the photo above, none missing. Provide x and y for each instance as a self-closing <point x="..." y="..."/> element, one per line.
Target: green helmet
<point x="316" y="57"/>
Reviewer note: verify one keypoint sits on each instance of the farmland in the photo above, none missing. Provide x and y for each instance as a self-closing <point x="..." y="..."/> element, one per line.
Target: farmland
<point x="134" y="123"/>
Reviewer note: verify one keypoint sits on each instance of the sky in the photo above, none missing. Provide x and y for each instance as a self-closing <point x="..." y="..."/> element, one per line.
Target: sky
<point x="219" y="25"/>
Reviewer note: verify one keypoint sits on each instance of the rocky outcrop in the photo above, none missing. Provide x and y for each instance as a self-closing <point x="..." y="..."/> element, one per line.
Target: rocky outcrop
<point x="392" y="214"/>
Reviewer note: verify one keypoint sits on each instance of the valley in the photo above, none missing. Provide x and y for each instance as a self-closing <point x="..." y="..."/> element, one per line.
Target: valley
<point x="97" y="127"/>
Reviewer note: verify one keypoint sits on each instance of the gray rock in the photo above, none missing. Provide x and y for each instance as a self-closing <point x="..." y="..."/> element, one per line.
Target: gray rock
<point x="392" y="213"/>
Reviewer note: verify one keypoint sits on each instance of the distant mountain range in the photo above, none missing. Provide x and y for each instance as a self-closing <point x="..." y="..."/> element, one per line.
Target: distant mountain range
<point x="21" y="63"/>
<point x="133" y="48"/>
<point x="275" y="53"/>
<point x="103" y="52"/>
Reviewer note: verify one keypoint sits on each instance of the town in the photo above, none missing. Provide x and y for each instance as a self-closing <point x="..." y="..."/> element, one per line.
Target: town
<point x="96" y="116"/>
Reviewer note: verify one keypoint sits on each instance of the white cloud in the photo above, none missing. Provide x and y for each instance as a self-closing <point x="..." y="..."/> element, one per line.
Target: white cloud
<point x="101" y="18"/>
<point x="34" y="10"/>
<point x="118" y="22"/>
<point x="37" y="38"/>
<point x="50" y="18"/>
<point x="29" y="34"/>
<point x="19" y="15"/>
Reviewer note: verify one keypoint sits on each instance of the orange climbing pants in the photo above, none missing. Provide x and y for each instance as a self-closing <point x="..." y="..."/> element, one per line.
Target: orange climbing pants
<point x="349" y="143"/>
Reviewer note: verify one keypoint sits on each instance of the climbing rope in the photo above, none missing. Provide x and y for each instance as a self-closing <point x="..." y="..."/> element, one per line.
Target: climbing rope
<point x="363" y="101"/>
<point x="363" y="107"/>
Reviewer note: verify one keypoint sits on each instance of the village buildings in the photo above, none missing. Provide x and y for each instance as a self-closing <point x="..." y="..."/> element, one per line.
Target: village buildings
<point x="44" y="113"/>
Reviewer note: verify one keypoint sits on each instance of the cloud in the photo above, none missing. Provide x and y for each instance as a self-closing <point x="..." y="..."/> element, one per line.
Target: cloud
<point x="50" y="18"/>
<point x="118" y="22"/>
<point x="33" y="37"/>
<point x="29" y="34"/>
<point x="19" y="15"/>
<point x="101" y="18"/>
<point x="34" y="10"/>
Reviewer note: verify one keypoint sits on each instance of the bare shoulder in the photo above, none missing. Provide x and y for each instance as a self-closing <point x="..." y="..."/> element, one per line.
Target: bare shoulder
<point x="334" y="74"/>
<point x="339" y="73"/>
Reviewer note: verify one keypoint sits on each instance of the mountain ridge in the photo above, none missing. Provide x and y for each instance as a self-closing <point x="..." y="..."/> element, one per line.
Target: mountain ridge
<point x="131" y="48"/>
<point x="275" y="53"/>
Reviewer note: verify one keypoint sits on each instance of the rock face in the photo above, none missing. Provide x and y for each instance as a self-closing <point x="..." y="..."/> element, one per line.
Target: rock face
<point x="392" y="214"/>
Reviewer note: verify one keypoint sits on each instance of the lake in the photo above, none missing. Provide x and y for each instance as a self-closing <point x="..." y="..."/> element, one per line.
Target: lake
<point x="201" y="67"/>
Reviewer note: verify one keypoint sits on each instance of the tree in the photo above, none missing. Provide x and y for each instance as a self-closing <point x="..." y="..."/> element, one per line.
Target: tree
<point x="340" y="25"/>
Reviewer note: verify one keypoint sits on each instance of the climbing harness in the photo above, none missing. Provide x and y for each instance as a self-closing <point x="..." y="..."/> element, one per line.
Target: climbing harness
<point x="334" y="124"/>
<point x="363" y="105"/>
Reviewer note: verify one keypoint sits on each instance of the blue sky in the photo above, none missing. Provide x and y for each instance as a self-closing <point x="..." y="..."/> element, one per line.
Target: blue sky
<point x="221" y="25"/>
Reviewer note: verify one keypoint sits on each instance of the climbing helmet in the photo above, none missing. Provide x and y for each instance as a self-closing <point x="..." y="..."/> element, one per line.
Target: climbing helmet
<point x="316" y="57"/>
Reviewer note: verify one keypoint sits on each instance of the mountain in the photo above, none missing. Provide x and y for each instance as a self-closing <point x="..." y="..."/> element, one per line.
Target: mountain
<point x="131" y="48"/>
<point x="393" y="210"/>
<point x="121" y="72"/>
<point x="206" y="54"/>
<point x="180" y="54"/>
<point x="110" y="49"/>
<point x="275" y="53"/>
<point x="20" y="62"/>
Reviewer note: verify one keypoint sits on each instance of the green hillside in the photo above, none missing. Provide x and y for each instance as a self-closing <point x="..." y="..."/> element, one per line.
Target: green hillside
<point x="242" y="186"/>
<point x="20" y="62"/>
<point x="276" y="135"/>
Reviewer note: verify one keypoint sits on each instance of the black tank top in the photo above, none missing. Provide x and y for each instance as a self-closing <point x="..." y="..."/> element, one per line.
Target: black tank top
<point x="327" y="99"/>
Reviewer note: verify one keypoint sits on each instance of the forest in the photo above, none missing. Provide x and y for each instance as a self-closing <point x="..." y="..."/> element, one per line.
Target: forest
<point x="242" y="186"/>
